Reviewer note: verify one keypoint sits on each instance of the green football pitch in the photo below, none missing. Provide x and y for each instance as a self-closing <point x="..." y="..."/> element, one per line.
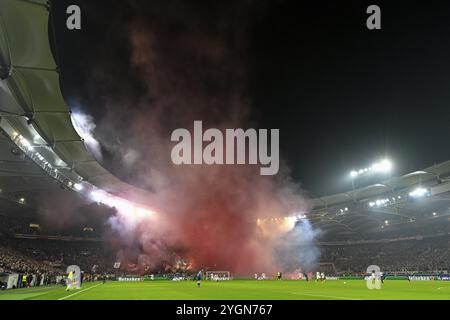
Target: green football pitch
<point x="238" y="289"/>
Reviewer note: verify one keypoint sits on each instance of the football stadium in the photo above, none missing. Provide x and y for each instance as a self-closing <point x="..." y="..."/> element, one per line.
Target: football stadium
<point x="97" y="202"/>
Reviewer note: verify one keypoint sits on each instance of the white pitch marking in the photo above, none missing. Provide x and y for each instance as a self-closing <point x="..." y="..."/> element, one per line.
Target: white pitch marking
<point x="321" y="296"/>
<point x="71" y="295"/>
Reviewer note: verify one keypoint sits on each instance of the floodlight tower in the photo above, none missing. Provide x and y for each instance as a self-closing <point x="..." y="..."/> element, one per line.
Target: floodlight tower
<point x="384" y="166"/>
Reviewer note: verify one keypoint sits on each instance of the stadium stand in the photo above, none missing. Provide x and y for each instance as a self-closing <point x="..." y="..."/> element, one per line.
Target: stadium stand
<point x="394" y="256"/>
<point x="44" y="254"/>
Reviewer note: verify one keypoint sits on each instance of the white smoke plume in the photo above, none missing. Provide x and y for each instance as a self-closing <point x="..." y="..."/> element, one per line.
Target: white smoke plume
<point x="297" y="249"/>
<point x="85" y="126"/>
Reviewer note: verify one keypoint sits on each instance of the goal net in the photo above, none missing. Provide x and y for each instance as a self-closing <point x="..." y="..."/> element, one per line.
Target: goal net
<point x="218" y="275"/>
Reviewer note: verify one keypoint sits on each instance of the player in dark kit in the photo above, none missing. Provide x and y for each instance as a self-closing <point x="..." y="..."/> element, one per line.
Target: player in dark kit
<point x="199" y="278"/>
<point x="383" y="276"/>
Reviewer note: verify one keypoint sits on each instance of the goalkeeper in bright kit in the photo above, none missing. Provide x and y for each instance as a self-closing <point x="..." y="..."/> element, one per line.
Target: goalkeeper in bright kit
<point x="70" y="280"/>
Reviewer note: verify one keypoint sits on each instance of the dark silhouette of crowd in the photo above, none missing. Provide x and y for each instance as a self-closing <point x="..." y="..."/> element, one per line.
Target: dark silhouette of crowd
<point x="32" y="255"/>
<point x="415" y="255"/>
<point x="39" y="256"/>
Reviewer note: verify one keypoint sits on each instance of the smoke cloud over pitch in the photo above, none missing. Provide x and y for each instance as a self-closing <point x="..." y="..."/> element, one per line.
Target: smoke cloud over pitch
<point x="296" y="249"/>
<point x="191" y="64"/>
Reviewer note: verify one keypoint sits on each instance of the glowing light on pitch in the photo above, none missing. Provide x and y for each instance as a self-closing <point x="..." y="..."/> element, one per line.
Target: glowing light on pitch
<point x="291" y="221"/>
<point x="277" y="226"/>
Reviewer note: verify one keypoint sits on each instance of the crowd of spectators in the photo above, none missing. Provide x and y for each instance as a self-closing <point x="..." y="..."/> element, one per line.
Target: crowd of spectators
<point x="433" y="227"/>
<point x="57" y="253"/>
<point x="417" y="255"/>
<point x="42" y="258"/>
<point x="33" y="256"/>
<point x="12" y="260"/>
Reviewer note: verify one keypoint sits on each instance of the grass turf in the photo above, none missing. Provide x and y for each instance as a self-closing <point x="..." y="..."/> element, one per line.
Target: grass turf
<point x="238" y="289"/>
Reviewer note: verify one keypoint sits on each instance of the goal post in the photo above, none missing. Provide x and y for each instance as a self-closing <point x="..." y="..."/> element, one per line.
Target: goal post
<point x="218" y="275"/>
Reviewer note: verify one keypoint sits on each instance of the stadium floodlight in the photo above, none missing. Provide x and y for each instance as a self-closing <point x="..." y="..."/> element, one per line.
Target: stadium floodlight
<point x="381" y="202"/>
<point x="435" y="214"/>
<point x="379" y="167"/>
<point x="383" y="166"/>
<point x="78" y="186"/>
<point x="418" y="192"/>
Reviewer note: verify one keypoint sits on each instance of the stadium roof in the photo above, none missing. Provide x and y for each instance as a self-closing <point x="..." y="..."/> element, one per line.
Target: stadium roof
<point x="439" y="171"/>
<point x="387" y="204"/>
<point x="31" y="102"/>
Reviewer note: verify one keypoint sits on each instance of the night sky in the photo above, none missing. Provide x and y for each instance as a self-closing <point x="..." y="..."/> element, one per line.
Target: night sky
<point x="342" y="96"/>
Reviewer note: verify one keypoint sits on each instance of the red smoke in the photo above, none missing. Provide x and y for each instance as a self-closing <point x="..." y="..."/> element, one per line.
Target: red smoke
<point x="192" y="65"/>
<point x="213" y="212"/>
<point x="210" y="215"/>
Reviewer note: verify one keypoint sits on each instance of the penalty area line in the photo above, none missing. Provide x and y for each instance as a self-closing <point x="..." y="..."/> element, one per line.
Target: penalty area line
<point x="322" y="296"/>
<point x="73" y="294"/>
